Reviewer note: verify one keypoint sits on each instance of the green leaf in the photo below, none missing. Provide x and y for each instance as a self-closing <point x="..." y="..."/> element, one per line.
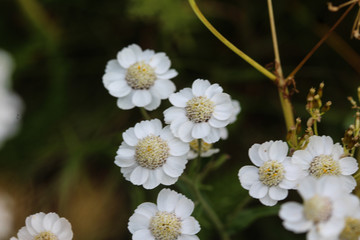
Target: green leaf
<point x="246" y="217"/>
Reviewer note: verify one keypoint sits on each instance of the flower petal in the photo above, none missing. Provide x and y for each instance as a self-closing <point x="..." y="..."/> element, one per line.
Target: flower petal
<point x="214" y="136"/>
<point x="163" y="88"/>
<point x="167" y="200"/>
<point x="248" y="175"/>
<point x="277" y="193"/>
<point x="137" y="222"/>
<point x="181" y="98"/>
<point x="168" y="75"/>
<point x="212" y="90"/>
<point x="278" y="151"/>
<point x="199" y="87"/>
<point x="184" y="208"/>
<point x="143" y="234"/>
<point x="200" y="130"/>
<point x="154" y="104"/>
<point x="119" y="88"/>
<point x="147" y="209"/>
<point x="184" y="131"/>
<point x="258" y="190"/>
<point x="163" y="65"/>
<point x="190" y="226"/>
<point x="141" y="98"/>
<point x="291" y="211"/>
<point x="267" y="201"/>
<point x="348" y="165"/>
<point x="178" y="148"/>
<point x="126" y="57"/>
<point x="254" y="155"/>
<point x="130" y="137"/>
<point x="126" y="102"/>
<point x="139" y="176"/>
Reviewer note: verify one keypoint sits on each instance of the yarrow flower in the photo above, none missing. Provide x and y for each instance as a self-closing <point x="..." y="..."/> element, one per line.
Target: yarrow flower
<point x="10" y="103"/>
<point x="150" y="155"/>
<point x="206" y="149"/>
<point x="45" y="226"/>
<point x="322" y="214"/>
<point x="199" y="112"/>
<point x="168" y="220"/>
<point x="139" y="78"/>
<point x="273" y="175"/>
<point x="322" y="157"/>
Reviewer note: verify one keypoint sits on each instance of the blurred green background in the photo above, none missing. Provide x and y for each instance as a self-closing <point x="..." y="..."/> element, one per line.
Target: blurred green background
<point x="62" y="158"/>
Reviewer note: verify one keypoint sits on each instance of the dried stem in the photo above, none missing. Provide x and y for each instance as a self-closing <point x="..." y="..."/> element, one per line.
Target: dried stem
<point x="322" y="40"/>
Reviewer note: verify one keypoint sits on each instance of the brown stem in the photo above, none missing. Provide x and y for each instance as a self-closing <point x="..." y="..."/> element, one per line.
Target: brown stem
<point x="322" y="40"/>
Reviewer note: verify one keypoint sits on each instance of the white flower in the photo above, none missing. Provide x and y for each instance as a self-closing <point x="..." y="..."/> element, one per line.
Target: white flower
<point x="237" y="108"/>
<point x="322" y="157"/>
<point x="10" y="103"/>
<point x="326" y="203"/>
<point x="351" y="229"/>
<point x="139" y="78"/>
<point x="6" y="216"/>
<point x="150" y="155"/>
<point x="45" y="226"/>
<point x="273" y="175"/>
<point x="168" y="220"/>
<point x="199" y="112"/>
<point x="206" y="149"/>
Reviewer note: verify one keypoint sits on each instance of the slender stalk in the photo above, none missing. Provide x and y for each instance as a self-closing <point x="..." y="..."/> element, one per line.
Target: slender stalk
<point x="212" y="214"/>
<point x="322" y="40"/>
<point x="282" y="88"/>
<point x="240" y="53"/>
<point x="145" y="114"/>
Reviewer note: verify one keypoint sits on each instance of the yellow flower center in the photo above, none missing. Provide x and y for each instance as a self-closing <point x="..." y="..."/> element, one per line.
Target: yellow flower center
<point x="271" y="173"/>
<point x="165" y="226"/>
<point x="324" y="165"/>
<point x="317" y="208"/>
<point x="151" y="152"/>
<point x="46" y="236"/>
<point x="140" y="76"/>
<point x="351" y="230"/>
<point x="199" y="109"/>
<point x="194" y="144"/>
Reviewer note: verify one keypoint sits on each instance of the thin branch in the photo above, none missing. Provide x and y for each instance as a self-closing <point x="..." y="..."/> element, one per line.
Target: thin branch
<point x="240" y="53"/>
<point x="322" y="40"/>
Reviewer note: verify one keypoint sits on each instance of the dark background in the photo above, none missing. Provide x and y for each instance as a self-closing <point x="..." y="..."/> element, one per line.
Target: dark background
<point x="62" y="158"/>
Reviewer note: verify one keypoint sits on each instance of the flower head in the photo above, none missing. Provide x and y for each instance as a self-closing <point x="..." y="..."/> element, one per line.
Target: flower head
<point x="273" y="174"/>
<point x="168" y="220"/>
<point x="199" y="112"/>
<point x="150" y="155"/>
<point x="322" y="214"/>
<point x="139" y="78"/>
<point x="41" y="226"/>
<point x="322" y="157"/>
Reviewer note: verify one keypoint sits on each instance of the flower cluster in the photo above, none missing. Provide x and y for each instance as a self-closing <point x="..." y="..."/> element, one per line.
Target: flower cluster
<point x="275" y="172"/>
<point x="151" y="154"/>
<point x="328" y="210"/>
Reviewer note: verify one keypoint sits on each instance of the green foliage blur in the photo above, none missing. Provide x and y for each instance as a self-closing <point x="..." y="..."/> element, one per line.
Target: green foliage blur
<point x="62" y="158"/>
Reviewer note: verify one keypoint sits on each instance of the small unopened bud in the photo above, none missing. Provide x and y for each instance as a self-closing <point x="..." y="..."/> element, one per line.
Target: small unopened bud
<point x="298" y="126"/>
<point x="320" y="91"/>
<point x="326" y="107"/>
<point x="317" y="101"/>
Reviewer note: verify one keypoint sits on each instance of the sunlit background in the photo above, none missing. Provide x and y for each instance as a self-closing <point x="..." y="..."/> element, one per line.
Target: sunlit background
<point x="62" y="158"/>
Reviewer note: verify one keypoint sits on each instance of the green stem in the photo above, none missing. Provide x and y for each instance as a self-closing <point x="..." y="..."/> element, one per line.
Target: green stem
<point x="315" y="128"/>
<point x="282" y="88"/>
<point x="240" y="53"/>
<point x="211" y="213"/>
<point x="145" y="114"/>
